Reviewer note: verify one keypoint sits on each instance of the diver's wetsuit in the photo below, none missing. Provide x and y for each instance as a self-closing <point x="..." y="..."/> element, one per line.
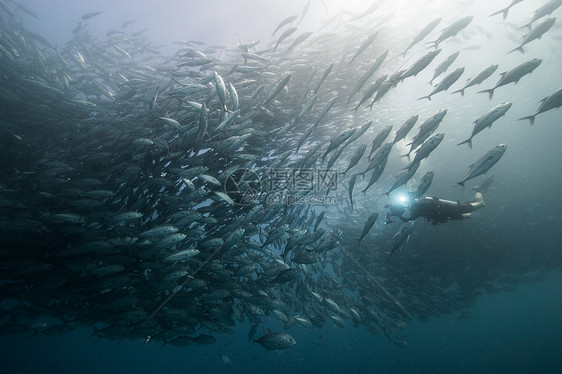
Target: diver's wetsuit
<point x="438" y="210"/>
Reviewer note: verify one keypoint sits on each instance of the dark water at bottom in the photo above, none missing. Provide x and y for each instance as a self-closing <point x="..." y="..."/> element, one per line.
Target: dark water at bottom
<point x="516" y="331"/>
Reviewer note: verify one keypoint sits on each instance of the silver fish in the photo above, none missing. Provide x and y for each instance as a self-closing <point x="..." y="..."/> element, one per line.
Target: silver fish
<point x="276" y="341"/>
<point x="442" y="67"/>
<point x="485" y="162"/>
<point x="487" y="120"/>
<point x="514" y="75"/>
<point x="536" y="33"/>
<point x="553" y="101"/>
<point x="479" y="78"/>
<point x="447" y="82"/>
<point x="452" y="30"/>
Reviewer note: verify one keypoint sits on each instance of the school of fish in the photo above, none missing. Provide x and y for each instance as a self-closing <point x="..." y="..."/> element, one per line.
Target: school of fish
<point x="160" y="197"/>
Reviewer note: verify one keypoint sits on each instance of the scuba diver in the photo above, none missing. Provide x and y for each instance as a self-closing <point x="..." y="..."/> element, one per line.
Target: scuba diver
<point x="434" y="209"/>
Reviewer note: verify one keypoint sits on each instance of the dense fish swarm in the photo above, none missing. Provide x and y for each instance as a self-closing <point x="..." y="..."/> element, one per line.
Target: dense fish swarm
<point x="144" y="194"/>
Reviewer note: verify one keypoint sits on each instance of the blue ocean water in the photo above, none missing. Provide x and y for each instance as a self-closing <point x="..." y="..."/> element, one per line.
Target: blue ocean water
<point x="509" y="252"/>
<point x="512" y="331"/>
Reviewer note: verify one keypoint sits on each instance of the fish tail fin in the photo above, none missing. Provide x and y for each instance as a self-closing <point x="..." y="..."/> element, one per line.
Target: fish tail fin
<point x="407" y="155"/>
<point x="520" y="49"/>
<point x="425" y="97"/>
<point x="490" y="92"/>
<point x="461" y="91"/>
<point x="461" y="184"/>
<point x="467" y="141"/>
<point x="435" y="43"/>
<point x="530" y="118"/>
<point x="502" y="11"/>
<point x="387" y="194"/>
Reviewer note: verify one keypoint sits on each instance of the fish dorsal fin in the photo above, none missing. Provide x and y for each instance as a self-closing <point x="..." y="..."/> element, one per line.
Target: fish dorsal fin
<point x="502" y="74"/>
<point x="542" y="100"/>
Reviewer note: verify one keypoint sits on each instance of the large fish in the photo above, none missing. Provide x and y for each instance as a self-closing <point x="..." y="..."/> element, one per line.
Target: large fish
<point x="323" y="77"/>
<point x="445" y="83"/>
<point x="366" y="43"/>
<point x="426" y="148"/>
<point x="378" y="168"/>
<point x="442" y="67"/>
<point x="287" y="20"/>
<point x="284" y="36"/>
<point x="424" y="185"/>
<point x="299" y="39"/>
<point x="276" y="341"/>
<point x="280" y="86"/>
<point x="452" y="30"/>
<point x="400" y="237"/>
<point x="420" y="64"/>
<point x="385" y="87"/>
<point x="544" y="11"/>
<point x="536" y="33"/>
<point x="368" y="225"/>
<point x="405" y="128"/>
<point x="479" y="78"/>
<point x="368" y="73"/>
<point x="350" y="188"/>
<point x="379" y="139"/>
<point x="514" y="75"/>
<point x="485" y="162"/>
<point x="422" y="34"/>
<point x="403" y="177"/>
<point x="371" y="89"/>
<point x="487" y="120"/>
<point x="426" y="129"/>
<point x="356" y="157"/>
<point x="553" y="101"/>
<point x="338" y="140"/>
